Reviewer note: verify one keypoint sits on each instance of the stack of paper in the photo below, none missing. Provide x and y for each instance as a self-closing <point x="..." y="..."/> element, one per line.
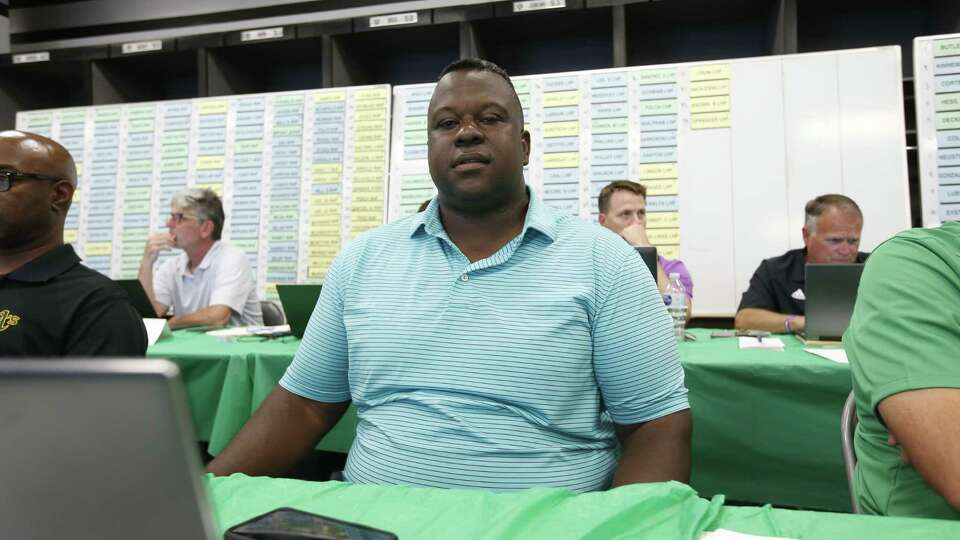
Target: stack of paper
<point x="747" y="342"/>
<point x="836" y="355"/>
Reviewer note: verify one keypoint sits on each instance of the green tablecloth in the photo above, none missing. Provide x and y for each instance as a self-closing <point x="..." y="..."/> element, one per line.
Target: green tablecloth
<point x="766" y="423"/>
<point x="646" y="511"/>
<point x="227" y="381"/>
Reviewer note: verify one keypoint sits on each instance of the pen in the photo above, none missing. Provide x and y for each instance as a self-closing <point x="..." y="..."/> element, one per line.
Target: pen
<point x="759" y="339"/>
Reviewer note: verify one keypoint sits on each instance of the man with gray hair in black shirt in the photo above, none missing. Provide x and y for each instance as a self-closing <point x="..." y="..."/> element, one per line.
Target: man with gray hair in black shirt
<point x="50" y="304"/>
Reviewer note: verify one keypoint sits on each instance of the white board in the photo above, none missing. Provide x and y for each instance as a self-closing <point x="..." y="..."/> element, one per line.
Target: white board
<point x="936" y="61"/>
<point x="299" y="173"/>
<point x="730" y="151"/>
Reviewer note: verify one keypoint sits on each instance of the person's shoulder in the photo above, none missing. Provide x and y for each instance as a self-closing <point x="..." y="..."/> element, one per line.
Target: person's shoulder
<point x="229" y="253"/>
<point x="783" y="261"/>
<point x="389" y="237"/>
<point x="90" y="283"/>
<point x="574" y="229"/>
<point x="943" y="241"/>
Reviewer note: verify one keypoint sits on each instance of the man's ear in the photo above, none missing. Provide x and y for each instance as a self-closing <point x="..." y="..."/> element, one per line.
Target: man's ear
<point x="525" y="141"/>
<point x="601" y="218"/>
<point x="61" y="195"/>
<point x="206" y="229"/>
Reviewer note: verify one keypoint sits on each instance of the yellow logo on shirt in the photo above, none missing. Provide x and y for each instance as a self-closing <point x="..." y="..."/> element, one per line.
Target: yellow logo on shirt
<point x="8" y="319"/>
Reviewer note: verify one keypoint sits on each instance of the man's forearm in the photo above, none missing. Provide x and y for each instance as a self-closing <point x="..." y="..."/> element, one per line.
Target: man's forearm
<point x="656" y="451"/>
<point x="282" y="431"/>
<point x="759" y="319"/>
<point x="209" y="316"/>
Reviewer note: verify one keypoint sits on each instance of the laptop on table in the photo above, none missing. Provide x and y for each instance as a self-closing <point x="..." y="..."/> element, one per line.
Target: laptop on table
<point x="831" y="293"/>
<point x="138" y="297"/>
<point x="298" y="302"/>
<point x="649" y="256"/>
<point x="98" y="450"/>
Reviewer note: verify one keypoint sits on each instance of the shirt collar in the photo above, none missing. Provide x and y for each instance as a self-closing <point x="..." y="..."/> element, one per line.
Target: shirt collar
<point x="204" y="264"/>
<point x="539" y="218"/>
<point x="47" y="266"/>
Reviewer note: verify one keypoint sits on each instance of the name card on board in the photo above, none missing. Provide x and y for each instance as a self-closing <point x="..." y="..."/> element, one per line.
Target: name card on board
<point x="537" y="5"/>
<point x="141" y="47"/>
<point x="393" y="20"/>
<point x="29" y="58"/>
<point x="263" y="33"/>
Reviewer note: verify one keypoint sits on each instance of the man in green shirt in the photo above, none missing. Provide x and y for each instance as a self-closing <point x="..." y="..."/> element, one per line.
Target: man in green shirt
<point x="904" y="349"/>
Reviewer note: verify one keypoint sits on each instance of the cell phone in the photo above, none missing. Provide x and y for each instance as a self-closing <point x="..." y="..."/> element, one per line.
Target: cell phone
<point x="291" y="524"/>
<point x="723" y="333"/>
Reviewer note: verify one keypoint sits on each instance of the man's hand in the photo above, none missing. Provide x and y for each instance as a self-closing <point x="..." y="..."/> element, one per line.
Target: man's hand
<point x="636" y="235"/>
<point x="155" y="244"/>
<point x="798" y="324"/>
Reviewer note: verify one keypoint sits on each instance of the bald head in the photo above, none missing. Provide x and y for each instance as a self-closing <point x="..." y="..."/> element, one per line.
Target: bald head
<point x="35" y="202"/>
<point x="31" y="153"/>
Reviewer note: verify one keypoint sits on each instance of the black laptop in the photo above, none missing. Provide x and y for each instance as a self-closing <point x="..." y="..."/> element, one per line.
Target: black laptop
<point x="138" y="297"/>
<point x="649" y="256"/>
<point x="298" y="302"/>
<point x="831" y="292"/>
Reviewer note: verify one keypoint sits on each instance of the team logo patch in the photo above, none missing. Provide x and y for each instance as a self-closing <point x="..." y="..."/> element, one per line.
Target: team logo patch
<point x="8" y="319"/>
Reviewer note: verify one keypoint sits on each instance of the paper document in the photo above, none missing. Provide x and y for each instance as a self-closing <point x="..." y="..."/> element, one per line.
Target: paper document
<point x="837" y="355"/>
<point x="157" y="329"/>
<point x="240" y="331"/>
<point x="724" y="534"/>
<point x="747" y="342"/>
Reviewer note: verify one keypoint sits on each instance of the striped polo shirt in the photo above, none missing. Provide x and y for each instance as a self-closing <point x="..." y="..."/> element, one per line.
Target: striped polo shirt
<point x="503" y="374"/>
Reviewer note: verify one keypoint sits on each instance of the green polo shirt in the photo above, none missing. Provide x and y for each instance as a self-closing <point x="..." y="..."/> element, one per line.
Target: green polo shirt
<point x="904" y="335"/>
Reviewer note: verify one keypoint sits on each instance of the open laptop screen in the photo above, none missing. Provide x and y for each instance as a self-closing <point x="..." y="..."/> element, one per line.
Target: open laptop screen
<point x="649" y="255"/>
<point x="98" y="450"/>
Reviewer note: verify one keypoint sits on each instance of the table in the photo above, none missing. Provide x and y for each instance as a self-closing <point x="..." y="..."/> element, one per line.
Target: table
<point x="227" y="380"/>
<point x="766" y="423"/>
<point x="664" y="511"/>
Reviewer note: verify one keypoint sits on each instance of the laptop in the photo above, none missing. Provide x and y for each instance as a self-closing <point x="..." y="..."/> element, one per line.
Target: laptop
<point x="298" y="302"/>
<point x="831" y="292"/>
<point x="98" y="450"/>
<point x="138" y="297"/>
<point x="649" y="256"/>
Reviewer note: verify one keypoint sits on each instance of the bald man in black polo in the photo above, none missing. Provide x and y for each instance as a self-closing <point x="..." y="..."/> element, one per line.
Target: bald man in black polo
<point x="50" y="304"/>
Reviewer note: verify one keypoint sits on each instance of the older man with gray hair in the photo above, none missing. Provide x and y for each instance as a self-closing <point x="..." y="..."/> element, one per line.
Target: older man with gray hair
<point x="775" y="300"/>
<point x="210" y="283"/>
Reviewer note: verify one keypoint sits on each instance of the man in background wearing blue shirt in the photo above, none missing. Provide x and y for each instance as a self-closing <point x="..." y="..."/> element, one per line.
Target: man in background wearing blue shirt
<point x="487" y="342"/>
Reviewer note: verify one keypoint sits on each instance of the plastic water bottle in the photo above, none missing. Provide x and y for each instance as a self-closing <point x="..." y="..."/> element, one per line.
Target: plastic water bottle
<point x="675" y="298"/>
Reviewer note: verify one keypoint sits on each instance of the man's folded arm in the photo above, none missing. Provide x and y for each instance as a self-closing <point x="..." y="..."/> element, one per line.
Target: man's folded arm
<point x="924" y="424"/>
<point x="283" y="430"/>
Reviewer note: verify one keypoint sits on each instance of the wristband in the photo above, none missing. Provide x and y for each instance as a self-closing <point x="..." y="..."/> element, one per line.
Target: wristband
<point x="786" y="323"/>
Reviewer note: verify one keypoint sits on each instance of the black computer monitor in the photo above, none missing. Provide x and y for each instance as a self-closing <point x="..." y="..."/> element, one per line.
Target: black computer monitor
<point x="649" y="255"/>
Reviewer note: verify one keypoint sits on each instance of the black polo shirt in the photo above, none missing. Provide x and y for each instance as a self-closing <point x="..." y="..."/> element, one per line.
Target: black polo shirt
<point x="775" y="284"/>
<point x="55" y="306"/>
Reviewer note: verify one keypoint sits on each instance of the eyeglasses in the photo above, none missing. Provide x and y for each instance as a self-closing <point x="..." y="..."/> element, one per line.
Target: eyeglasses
<point x="8" y="176"/>
<point x="177" y="217"/>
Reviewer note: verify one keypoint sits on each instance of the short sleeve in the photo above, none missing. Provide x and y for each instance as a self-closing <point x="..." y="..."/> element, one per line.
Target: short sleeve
<point x="319" y="368"/>
<point x="760" y="292"/>
<point x="106" y="324"/>
<point x="635" y="352"/>
<point x="233" y="282"/>
<point x="905" y="330"/>
<point x="163" y="281"/>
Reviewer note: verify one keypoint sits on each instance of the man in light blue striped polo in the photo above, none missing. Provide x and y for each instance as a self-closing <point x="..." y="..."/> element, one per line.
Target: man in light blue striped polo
<point x="487" y="342"/>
